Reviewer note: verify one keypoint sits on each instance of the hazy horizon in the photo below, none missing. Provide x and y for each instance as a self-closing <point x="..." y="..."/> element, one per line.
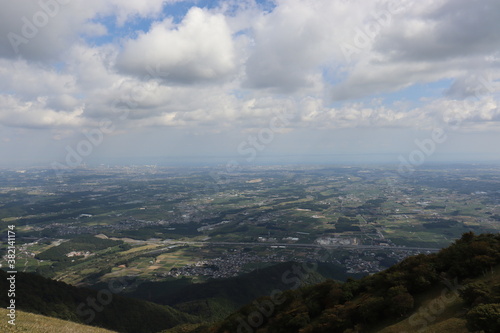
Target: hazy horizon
<point x="264" y="161"/>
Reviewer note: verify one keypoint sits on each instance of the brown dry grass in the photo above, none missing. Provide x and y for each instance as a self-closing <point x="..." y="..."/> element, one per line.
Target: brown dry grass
<point x="33" y="323"/>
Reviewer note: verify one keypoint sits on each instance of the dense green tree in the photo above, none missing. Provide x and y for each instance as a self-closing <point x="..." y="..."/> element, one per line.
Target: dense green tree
<point x="401" y="304"/>
<point x="484" y="317"/>
<point x="371" y="309"/>
<point x="475" y="293"/>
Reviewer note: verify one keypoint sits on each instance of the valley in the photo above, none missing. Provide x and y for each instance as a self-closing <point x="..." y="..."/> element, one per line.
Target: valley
<point x="166" y="223"/>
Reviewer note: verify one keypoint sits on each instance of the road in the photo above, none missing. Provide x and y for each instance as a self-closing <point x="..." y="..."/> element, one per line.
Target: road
<point x="291" y="245"/>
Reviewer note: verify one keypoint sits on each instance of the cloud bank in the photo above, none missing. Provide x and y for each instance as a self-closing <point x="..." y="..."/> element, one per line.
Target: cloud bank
<point x="228" y="68"/>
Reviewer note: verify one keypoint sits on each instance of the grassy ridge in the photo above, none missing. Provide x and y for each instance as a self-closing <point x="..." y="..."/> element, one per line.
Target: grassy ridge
<point x="100" y="308"/>
<point x="34" y="323"/>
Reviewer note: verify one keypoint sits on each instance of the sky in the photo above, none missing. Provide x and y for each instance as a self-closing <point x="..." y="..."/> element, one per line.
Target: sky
<point x="248" y="82"/>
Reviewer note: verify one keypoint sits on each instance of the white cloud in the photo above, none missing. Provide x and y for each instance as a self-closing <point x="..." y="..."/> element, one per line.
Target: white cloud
<point x="291" y="45"/>
<point x="200" y="48"/>
<point x="30" y="80"/>
<point x="424" y="41"/>
<point x="127" y="9"/>
<point x="226" y="72"/>
<point x="43" y="30"/>
<point x="35" y="114"/>
<point x="445" y="30"/>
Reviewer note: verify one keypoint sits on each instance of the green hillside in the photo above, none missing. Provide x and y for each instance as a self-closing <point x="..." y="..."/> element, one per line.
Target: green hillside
<point x="449" y="313"/>
<point x="102" y="308"/>
<point x="456" y="290"/>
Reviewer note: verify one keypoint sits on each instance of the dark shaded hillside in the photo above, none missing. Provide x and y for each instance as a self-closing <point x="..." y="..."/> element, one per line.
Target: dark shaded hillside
<point x="218" y="298"/>
<point x="388" y="297"/>
<point x="57" y="299"/>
